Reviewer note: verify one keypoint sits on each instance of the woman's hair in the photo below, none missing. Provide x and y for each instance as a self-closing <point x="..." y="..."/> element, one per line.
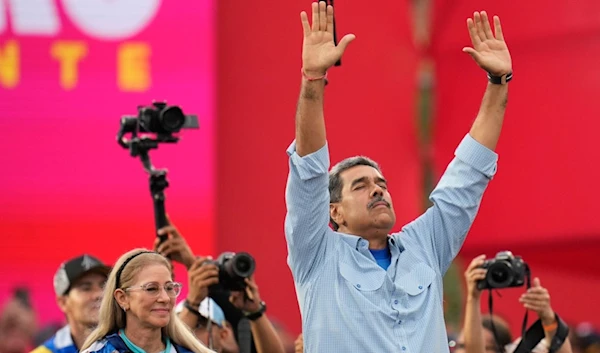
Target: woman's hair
<point x="502" y="329"/>
<point x="112" y="317"/>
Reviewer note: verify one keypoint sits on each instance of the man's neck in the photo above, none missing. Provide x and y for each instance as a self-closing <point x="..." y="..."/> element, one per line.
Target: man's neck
<point x="79" y="332"/>
<point x="378" y="244"/>
<point x="148" y="339"/>
<point x="378" y="239"/>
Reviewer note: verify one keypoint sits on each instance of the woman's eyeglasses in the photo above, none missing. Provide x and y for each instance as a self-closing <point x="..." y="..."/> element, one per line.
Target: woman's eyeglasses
<point x="173" y="289"/>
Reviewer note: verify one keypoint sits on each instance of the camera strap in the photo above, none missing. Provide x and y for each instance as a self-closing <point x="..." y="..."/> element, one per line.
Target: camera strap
<point x="244" y="336"/>
<point x="536" y="333"/>
<point x="524" y="331"/>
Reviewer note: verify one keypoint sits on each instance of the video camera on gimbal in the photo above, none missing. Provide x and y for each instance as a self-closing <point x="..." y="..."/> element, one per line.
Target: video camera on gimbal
<point x="153" y="125"/>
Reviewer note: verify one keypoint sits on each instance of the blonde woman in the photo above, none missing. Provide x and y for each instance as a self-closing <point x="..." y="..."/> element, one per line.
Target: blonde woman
<point x="136" y="314"/>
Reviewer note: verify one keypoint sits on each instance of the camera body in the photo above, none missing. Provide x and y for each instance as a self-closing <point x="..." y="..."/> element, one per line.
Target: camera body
<point x="503" y="271"/>
<point x="161" y="118"/>
<point x="234" y="268"/>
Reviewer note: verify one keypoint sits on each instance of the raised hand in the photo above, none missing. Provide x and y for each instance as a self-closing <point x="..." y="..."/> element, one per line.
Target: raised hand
<point x="175" y="246"/>
<point x="319" y="52"/>
<point x="201" y="275"/>
<point x="473" y="274"/>
<point x="537" y="299"/>
<point x="489" y="50"/>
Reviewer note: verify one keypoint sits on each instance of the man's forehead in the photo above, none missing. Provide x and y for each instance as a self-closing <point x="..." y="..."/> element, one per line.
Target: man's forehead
<point x="360" y="171"/>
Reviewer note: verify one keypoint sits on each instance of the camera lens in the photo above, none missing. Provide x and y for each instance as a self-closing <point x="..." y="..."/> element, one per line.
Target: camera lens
<point x="243" y="265"/>
<point x="172" y="119"/>
<point x="500" y="275"/>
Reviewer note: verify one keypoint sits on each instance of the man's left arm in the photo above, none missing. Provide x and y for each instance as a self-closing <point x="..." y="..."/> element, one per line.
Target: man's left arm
<point x="457" y="197"/>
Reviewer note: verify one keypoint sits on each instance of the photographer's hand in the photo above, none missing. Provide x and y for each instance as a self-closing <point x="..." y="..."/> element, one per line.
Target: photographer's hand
<point x="266" y="338"/>
<point x="537" y="299"/>
<point x="299" y="344"/>
<point x="474" y="340"/>
<point x="473" y="274"/>
<point x="248" y="301"/>
<point x="201" y="275"/>
<point x="175" y="247"/>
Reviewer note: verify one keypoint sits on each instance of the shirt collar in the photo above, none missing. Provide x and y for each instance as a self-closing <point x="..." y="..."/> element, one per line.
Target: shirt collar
<point x="359" y="243"/>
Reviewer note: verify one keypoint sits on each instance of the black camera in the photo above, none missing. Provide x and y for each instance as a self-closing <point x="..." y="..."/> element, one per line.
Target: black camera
<point x="234" y="268"/>
<point x="159" y="118"/>
<point x="503" y="271"/>
<point x="163" y="119"/>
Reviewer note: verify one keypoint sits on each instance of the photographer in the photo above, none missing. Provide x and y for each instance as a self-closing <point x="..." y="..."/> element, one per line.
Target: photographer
<point x="475" y="338"/>
<point x="204" y="273"/>
<point x="211" y="328"/>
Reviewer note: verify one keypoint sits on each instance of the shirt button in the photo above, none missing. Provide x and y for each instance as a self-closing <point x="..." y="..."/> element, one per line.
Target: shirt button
<point x="420" y="287"/>
<point x="403" y="348"/>
<point x="396" y="301"/>
<point x="399" y="321"/>
<point x="358" y="286"/>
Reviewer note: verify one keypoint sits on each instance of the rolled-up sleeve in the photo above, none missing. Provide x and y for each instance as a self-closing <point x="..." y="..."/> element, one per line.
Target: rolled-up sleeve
<point x="477" y="156"/>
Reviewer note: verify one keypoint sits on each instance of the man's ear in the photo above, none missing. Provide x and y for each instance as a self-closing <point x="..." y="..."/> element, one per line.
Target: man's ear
<point x="62" y="303"/>
<point x="223" y="333"/>
<point x="336" y="212"/>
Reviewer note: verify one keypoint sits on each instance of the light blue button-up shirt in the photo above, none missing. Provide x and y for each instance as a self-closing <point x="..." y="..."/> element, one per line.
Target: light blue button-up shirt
<point x="350" y="304"/>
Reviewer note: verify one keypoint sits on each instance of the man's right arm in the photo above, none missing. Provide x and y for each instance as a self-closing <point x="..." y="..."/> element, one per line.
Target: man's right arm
<point x="307" y="196"/>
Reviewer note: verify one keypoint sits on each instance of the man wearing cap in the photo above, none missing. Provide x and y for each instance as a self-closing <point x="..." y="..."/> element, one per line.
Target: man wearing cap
<point x="78" y="285"/>
<point x="211" y="327"/>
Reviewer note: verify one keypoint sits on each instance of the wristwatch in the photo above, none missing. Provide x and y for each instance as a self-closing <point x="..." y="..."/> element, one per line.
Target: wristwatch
<point x="258" y="313"/>
<point x="500" y="80"/>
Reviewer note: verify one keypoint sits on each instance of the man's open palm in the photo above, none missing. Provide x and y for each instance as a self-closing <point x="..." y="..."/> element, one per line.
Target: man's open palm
<point x="489" y="50"/>
<point x="319" y="52"/>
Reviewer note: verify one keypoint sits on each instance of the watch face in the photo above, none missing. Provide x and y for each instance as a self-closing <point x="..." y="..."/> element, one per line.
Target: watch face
<point x="258" y="313"/>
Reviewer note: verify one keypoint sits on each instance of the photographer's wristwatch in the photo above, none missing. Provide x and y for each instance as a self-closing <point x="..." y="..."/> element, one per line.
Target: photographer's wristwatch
<point x="258" y="313"/>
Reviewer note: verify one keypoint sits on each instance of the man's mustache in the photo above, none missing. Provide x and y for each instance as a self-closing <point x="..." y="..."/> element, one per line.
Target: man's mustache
<point x="376" y="200"/>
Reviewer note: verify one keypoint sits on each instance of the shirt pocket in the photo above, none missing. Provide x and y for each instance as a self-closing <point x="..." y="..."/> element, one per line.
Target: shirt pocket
<point x="360" y="290"/>
<point x="363" y="280"/>
<point x="417" y="280"/>
<point x="416" y="285"/>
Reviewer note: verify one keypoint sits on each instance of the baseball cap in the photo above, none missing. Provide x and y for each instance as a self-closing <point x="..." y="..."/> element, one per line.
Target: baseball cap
<point x="73" y="269"/>
<point x="211" y="310"/>
<point x="208" y="309"/>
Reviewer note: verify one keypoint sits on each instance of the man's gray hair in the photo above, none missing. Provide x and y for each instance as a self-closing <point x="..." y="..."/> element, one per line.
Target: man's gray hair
<point x="335" y="180"/>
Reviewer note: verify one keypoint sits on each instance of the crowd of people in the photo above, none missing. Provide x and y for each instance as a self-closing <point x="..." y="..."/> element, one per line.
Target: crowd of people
<point x="153" y="310"/>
